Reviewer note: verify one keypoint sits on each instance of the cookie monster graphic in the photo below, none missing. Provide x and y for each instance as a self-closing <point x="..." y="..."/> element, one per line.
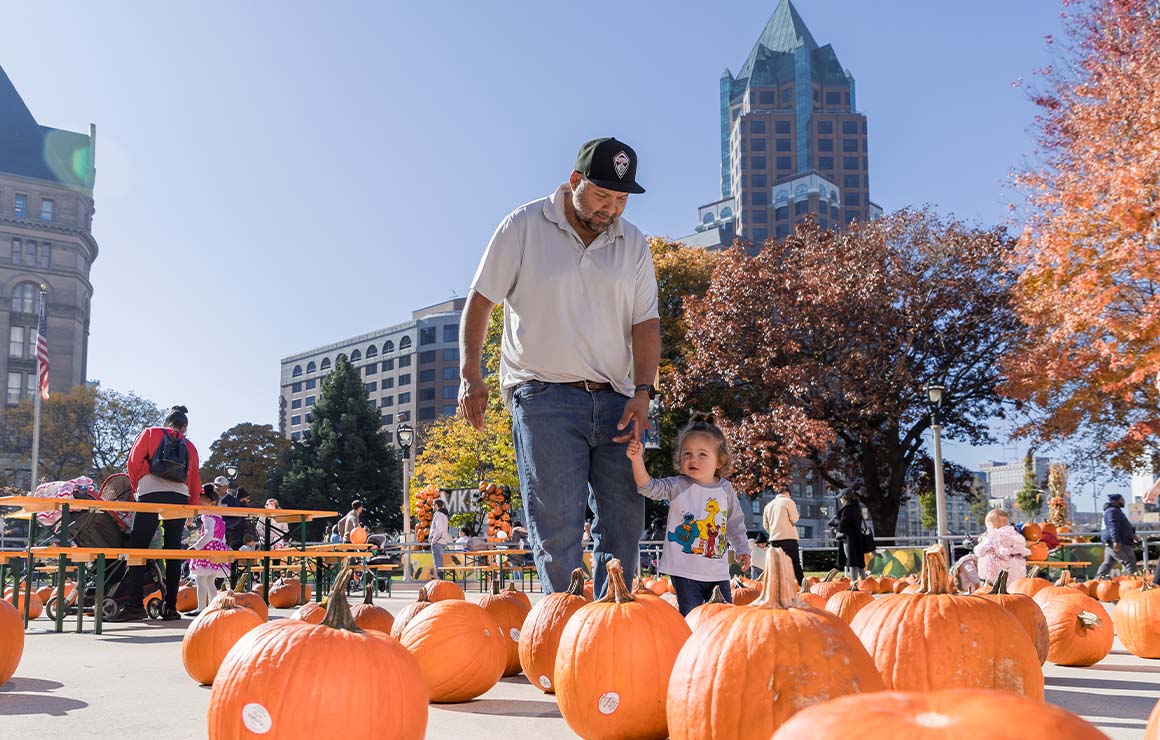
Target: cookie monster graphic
<point x="685" y="533"/>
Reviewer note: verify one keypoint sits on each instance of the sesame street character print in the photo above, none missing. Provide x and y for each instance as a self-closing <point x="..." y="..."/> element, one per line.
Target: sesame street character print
<point x="685" y="533"/>
<point x="709" y="548"/>
<point x="711" y="545"/>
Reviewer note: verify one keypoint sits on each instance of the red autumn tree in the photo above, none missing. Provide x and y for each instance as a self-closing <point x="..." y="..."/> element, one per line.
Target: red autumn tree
<point x="1090" y="251"/>
<point x="818" y="347"/>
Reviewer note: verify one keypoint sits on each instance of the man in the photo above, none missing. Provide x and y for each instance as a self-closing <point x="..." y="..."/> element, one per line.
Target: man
<point x="439" y="537"/>
<point x="1118" y="536"/>
<point x="780" y="518"/>
<point x="235" y="525"/>
<point x="350" y="522"/>
<point x="580" y="324"/>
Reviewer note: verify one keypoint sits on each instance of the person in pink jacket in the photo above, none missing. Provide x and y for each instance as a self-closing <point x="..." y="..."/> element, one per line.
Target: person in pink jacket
<point x="1001" y="548"/>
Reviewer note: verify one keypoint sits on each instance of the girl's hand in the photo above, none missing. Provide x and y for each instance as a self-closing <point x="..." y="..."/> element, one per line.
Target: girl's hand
<point x="744" y="562"/>
<point x="635" y="451"/>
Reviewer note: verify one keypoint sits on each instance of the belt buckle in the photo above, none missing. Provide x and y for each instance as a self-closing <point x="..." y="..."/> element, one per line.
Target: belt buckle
<point x="586" y="386"/>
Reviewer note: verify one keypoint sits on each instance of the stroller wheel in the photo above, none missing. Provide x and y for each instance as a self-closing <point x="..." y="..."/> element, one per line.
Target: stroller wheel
<point x="50" y="608"/>
<point x="108" y="608"/>
<point x="153" y="608"/>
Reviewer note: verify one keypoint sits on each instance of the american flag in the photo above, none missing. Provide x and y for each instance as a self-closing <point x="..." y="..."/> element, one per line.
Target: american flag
<point x="42" y="351"/>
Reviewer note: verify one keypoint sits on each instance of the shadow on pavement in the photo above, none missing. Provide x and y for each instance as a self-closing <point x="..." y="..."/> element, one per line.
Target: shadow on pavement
<point x="1098" y="684"/>
<point x="141" y="639"/>
<point x="1102" y="704"/>
<point x="1124" y="668"/>
<point x="505" y="708"/>
<point x="12" y="705"/>
<point x="30" y="684"/>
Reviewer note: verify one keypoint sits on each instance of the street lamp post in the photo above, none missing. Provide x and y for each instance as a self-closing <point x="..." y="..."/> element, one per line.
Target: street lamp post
<point x="405" y="436"/>
<point x="232" y="471"/>
<point x="935" y="394"/>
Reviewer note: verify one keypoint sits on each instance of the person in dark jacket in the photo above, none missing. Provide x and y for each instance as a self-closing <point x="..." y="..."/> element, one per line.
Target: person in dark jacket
<point x="1118" y="536"/>
<point x="851" y="548"/>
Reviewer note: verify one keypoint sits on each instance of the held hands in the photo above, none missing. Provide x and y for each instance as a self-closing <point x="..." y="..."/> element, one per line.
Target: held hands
<point x="635" y="451"/>
<point x="635" y="413"/>
<point x="744" y="562"/>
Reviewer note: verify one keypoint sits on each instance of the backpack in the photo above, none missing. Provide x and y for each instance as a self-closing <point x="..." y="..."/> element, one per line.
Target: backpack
<point x="171" y="459"/>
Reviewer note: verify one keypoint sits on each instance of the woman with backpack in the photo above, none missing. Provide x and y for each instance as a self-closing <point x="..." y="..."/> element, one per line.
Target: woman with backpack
<point x="163" y="469"/>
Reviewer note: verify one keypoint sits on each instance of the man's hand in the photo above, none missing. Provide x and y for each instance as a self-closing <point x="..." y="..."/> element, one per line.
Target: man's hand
<point x="473" y="401"/>
<point x="744" y="561"/>
<point x="635" y="413"/>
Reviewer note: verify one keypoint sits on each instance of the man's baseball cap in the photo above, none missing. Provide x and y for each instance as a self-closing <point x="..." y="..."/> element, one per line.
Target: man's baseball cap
<point x="221" y="480"/>
<point x="1113" y="497"/>
<point x="609" y="164"/>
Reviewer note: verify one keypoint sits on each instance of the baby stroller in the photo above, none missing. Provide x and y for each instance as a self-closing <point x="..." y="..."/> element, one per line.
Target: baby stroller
<point x="100" y="529"/>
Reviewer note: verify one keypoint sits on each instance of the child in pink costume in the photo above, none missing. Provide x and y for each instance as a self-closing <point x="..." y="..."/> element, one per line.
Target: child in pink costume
<point x="1001" y="548"/>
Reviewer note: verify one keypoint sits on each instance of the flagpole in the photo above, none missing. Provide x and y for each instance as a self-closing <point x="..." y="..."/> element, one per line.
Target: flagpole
<point x="36" y="405"/>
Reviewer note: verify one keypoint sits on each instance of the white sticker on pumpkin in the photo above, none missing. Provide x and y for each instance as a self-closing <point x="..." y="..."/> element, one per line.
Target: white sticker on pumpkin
<point x="608" y="703"/>
<point x="515" y="634"/>
<point x="545" y="682"/>
<point x="256" y="719"/>
<point x="486" y="632"/>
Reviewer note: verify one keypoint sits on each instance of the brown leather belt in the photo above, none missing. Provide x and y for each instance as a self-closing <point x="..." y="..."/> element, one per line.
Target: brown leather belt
<point x="588" y="385"/>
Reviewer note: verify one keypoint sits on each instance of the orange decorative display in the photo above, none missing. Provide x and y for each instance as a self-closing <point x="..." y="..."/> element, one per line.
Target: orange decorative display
<point x="424" y="508"/>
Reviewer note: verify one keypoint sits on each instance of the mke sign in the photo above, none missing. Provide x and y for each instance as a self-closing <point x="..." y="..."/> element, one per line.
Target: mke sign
<point x="458" y="499"/>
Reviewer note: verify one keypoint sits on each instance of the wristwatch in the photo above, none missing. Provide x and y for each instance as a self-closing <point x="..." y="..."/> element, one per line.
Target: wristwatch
<point x="647" y="388"/>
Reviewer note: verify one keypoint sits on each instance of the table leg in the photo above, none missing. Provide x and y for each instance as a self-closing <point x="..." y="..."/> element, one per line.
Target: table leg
<point x="61" y="597"/>
<point x="98" y="596"/>
<point x="60" y="565"/>
<point x="28" y="576"/>
<point x="3" y="571"/>
<point x="317" y="577"/>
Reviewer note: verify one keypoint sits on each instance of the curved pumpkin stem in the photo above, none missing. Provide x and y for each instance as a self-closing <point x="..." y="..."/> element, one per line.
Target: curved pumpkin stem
<point x="778" y="586"/>
<point x="338" y="614"/>
<point x="1064" y="578"/>
<point x="1088" y="620"/>
<point x="1000" y="586"/>
<point x="829" y="576"/>
<point x="935" y="578"/>
<point x="1033" y="572"/>
<point x="576" y="587"/>
<point x="853" y="586"/>
<point x="369" y="596"/>
<point x="618" y="592"/>
<point x="717" y="597"/>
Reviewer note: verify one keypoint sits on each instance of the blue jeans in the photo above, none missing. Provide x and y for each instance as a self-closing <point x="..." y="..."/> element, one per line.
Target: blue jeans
<point x="691" y="594"/>
<point x="437" y="558"/>
<point x="564" y="454"/>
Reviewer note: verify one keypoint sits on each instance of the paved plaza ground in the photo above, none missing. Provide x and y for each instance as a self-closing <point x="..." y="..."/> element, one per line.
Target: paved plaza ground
<point x="129" y="683"/>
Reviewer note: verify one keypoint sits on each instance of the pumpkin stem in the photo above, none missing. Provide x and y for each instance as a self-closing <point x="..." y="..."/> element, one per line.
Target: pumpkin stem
<point x="368" y="596"/>
<point x="853" y="586"/>
<point x="1088" y="620"/>
<point x="778" y="586"/>
<point x="717" y="597"/>
<point x="829" y="576"/>
<point x="618" y="592"/>
<point x="1064" y="578"/>
<point x="338" y="614"/>
<point x="576" y="588"/>
<point x="935" y="578"/>
<point x="1033" y="572"/>
<point x="1000" y="586"/>
<point x="495" y="587"/>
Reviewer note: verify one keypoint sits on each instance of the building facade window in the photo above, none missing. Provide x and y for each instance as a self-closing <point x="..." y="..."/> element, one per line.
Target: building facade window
<point x="849" y="145"/>
<point x="761" y="216"/>
<point x="26" y="299"/>
<point x="758" y="182"/>
<point x="782" y="231"/>
<point x="427" y="413"/>
<point x="371" y="387"/>
<point x="784" y="163"/>
<point x="426" y="335"/>
<point x="850" y="181"/>
<point x="757" y="163"/>
<point x="450" y="410"/>
<point x="388" y="419"/>
<point x="825" y="127"/>
<point x="759" y="198"/>
<point x="356" y="356"/>
<point x="296" y="403"/>
<point x="451" y="332"/>
<point x="760" y="235"/>
<point x="387" y="401"/>
<point x="21" y="205"/>
<point x="781" y="127"/>
<point x="404" y="398"/>
<point x="372" y="369"/>
<point x="757" y="127"/>
<point x="757" y="144"/>
<point x="310" y="400"/>
<point x="388" y="383"/>
<point x="765" y="97"/>
<point x="825" y="145"/>
<point x="450" y="373"/>
<point x="825" y="163"/>
<point x="849" y="163"/>
<point x="849" y="127"/>
<point x="450" y="392"/>
<point x="311" y="384"/>
<point x="295" y="420"/>
<point x="372" y="351"/>
<point x="427" y="376"/>
<point x="297" y="371"/>
<point x="853" y="199"/>
<point x="802" y="206"/>
<point x="426" y="358"/>
<point x="16" y="341"/>
<point x="833" y="98"/>
<point x="46" y="209"/>
<point x="782" y="213"/>
<point x="451" y="354"/>
<point x="404" y="343"/>
<point x="783" y="145"/>
<point x="296" y="387"/>
<point x="388" y="346"/>
<point x="325" y="364"/>
<point x="405" y="361"/>
<point x="45" y="256"/>
<point x="426" y="394"/>
<point x="404" y="379"/>
<point x="388" y="365"/>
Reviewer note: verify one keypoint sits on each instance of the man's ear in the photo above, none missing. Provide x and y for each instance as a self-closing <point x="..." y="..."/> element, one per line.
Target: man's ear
<point x="574" y="180"/>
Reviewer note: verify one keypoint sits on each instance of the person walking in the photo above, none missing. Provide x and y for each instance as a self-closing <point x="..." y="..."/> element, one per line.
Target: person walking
<point x="581" y="344"/>
<point x="349" y="523"/>
<point x="439" y="537"/>
<point x="205" y="573"/>
<point x="851" y="550"/>
<point x="780" y="518"/>
<point x="234" y="524"/>
<point x="163" y="469"/>
<point x="1118" y="536"/>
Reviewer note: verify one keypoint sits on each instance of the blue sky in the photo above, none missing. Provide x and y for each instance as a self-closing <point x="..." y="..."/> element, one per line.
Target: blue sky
<point x="288" y="174"/>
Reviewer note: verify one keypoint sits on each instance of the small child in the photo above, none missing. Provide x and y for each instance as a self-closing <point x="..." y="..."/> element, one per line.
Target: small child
<point x="1001" y="548"/>
<point x="703" y="513"/>
<point x="248" y="543"/>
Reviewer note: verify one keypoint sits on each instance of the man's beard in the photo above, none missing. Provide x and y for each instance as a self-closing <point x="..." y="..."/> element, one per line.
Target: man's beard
<point x="585" y="216"/>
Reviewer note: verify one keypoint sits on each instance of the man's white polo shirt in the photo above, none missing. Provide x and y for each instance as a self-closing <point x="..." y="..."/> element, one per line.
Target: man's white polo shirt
<point x="568" y="310"/>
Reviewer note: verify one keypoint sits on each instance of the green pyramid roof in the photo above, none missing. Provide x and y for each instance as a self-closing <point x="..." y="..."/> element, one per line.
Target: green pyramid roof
<point x="784" y="32"/>
<point x="31" y="150"/>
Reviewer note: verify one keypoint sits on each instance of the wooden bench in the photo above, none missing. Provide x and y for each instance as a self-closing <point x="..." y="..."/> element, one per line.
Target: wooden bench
<point x="478" y="570"/>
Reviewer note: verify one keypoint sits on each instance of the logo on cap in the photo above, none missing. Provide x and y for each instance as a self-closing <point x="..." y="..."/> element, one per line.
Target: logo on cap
<point x="621" y="162"/>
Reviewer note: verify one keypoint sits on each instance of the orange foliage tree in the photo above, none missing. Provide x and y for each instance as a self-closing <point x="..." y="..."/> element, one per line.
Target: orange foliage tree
<point x="1090" y="250"/>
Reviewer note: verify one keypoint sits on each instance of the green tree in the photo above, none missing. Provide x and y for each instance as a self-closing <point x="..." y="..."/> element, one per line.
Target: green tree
<point x="66" y="444"/>
<point x="256" y="449"/>
<point x="929" y="507"/>
<point x="979" y="508"/>
<point x="119" y="418"/>
<point x="345" y="457"/>
<point x="1030" y="496"/>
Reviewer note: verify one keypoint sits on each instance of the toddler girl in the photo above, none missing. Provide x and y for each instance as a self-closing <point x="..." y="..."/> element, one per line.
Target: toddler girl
<point x="213" y="537"/>
<point x="1001" y="548"/>
<point x="703" y="513"/>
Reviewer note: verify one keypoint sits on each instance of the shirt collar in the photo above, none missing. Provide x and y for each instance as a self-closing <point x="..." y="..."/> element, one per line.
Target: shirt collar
<point x="554" y="212"/>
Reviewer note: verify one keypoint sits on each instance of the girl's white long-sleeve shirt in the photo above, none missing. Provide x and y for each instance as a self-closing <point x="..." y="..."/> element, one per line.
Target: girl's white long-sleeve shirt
<point x="701" y="518"/>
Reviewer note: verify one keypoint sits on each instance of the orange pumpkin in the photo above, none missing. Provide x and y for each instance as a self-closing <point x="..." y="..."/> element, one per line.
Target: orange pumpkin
<point x="1030" y="585"/>
<point x="1032" y="533"/>
<point x="439" y="590"/>
<point x="940" y="640"/>
<point x="186" y="598"/>
<point x="1081" y="631"/>
<point x="701" y="614"/>
<point x="589" y="590"/>
<point x="902" y="584"/>
<point x="1038" y="551"/>
<point x="869" y="585"/>
<point x="885" y="585"/>
<point x="760" y="648"/>
<point x="845" y="604"/>
<point x="358" y="536"/>
<point x="285" y="594"/>
<point x="1137" y="621"/>
<point x="659" y="586"/>
<point x="540" y="632"/>
<point x="811" y="599"/>
<point x="1025" y="610"/>
<point x="368" y="616"/>
<point x="459" y="648"/>
<point x="310" y="612"/>
<point x="211" y="635"/>
<point x="1152" y="732"/>
<point x="11" y="640"/>
<point x="743" y="594"/>
<point x="1048" y="528"/>
<point x="410" y="612"/>
<point x="522" y="597"/>
<point x="509" y="611"/>
<point x="933" y="715"/>
<point x="1108" y="591"/>
<point x="1062" y="587"/>
<point x="277" y="680"/>
<point x="830" y="585"/>
<point x="44" y="593"/>
<point x="253" y="602"/>
<point x="35" y="605"/>
<point x="615" y="657"/>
